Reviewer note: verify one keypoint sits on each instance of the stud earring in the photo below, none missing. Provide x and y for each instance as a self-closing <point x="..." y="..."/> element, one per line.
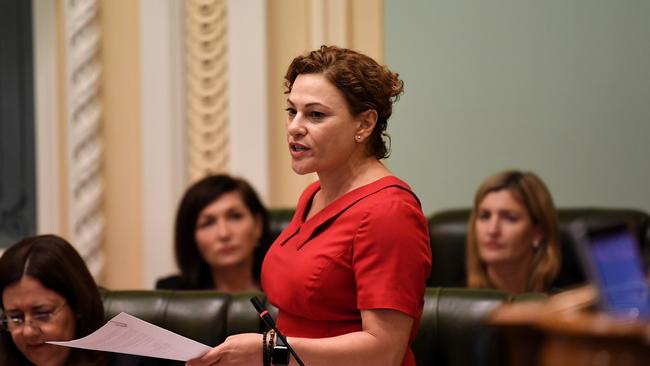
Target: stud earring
<point x="357" y="137"/>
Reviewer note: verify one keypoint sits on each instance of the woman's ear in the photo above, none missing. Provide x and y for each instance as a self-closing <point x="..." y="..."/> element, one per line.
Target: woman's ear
<point x="538" y="237"/>
<point x="367" y="121"/>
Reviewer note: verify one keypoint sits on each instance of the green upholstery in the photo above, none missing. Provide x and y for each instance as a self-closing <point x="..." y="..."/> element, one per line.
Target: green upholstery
<point x="185" y="313"/>
<point x="279" y="218"/>
<point x="451" y="332"/>
<point x="452" y="329"/>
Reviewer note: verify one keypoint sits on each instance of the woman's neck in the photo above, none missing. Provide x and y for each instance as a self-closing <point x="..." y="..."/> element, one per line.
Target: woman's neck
<point x="510" y="277"/>
<point x="335" y="184"/>
<point x="234" y="279"/>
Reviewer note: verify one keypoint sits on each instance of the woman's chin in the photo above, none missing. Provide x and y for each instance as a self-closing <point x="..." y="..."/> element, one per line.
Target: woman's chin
<point x="494" y="258"/>
<point x="301" y="169"/>
<point x="47" y="355"/>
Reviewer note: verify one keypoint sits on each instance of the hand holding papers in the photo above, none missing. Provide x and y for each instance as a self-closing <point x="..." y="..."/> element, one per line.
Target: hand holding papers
<point x="128" y="334"/>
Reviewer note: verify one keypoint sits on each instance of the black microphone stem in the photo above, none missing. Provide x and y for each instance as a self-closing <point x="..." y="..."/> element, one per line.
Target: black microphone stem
<point x="268" y="320"/>
<point x="284" y="339"/>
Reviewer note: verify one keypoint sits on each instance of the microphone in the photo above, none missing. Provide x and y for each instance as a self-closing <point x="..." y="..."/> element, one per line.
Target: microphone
<point x="268" y="320"/>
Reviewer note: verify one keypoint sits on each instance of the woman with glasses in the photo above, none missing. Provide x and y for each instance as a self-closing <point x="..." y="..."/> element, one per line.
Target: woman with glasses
<point x="47" y="294"/>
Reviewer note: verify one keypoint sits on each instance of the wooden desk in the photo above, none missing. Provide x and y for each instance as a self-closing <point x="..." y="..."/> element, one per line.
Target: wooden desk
<point x="560" y="331"/>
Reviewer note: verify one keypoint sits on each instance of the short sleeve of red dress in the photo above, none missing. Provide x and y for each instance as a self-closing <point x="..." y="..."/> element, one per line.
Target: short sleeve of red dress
<point x="391" y="256"/>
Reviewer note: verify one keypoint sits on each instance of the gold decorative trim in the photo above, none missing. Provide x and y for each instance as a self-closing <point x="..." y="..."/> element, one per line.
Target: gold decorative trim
<point x="207" y="94"/>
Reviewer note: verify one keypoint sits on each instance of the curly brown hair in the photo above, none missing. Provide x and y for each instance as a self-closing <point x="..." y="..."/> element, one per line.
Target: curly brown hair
<point x="365" y="85"/>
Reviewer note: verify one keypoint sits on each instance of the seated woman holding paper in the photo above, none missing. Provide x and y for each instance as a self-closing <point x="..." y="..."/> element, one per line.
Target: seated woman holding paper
<point x="513" y="235"/>
<point x="221" y="235"/>
<point x="48" y="294"/>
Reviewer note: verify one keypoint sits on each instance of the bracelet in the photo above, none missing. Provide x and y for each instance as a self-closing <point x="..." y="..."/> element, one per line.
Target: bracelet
<point x="271" y="346"/>
<point x="266" y="355"/>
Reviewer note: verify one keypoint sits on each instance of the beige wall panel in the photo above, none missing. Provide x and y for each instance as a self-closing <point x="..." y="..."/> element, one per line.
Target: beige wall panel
<point x="46" y="109"/>
<point x="367" y="27"/>
<point x="163" y="131"/>
<point x="122" y="168"/>
<point x="289" y="36"/>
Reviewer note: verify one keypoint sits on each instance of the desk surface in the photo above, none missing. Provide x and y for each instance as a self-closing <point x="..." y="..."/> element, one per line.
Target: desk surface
<point x="561" y="331"/>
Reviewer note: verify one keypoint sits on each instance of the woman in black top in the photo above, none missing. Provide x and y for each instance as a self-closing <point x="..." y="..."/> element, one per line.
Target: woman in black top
<point x="221" y="236"/>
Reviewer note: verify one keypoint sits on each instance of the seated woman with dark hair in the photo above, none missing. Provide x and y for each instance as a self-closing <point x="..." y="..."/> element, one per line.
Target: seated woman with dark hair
<point x="513" y="235"/>
<point x="48" y="294"/>
<point x="221" y="235"/>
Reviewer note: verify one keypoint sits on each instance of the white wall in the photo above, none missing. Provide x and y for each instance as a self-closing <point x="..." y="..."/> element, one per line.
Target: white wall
<point x="561" y="88"/>
<point x="164" y="169"/>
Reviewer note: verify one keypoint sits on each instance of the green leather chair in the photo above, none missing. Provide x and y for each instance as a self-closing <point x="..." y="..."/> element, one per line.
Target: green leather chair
<point x="208" y="317"/>
<point x="452" y="330"/>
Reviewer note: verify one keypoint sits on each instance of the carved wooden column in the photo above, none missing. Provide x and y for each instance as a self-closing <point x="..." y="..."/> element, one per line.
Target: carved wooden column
<point x="85" y="187"/>
<point x="207" y="104"/>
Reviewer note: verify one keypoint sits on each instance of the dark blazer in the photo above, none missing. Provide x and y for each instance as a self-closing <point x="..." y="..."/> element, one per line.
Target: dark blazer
<point x="176" y="282"/>
<point x="119" y="359"/>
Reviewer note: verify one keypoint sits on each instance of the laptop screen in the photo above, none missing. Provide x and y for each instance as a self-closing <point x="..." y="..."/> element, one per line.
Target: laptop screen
<point x="619" y="273"/>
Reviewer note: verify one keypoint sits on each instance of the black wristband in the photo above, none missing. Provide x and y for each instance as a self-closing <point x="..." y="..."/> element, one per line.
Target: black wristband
<point x="280" y="353"/>
<point x="266" y="356"/>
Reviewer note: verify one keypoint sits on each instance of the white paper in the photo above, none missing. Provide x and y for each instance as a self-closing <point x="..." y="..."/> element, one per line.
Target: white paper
<point x="128" y="334"/>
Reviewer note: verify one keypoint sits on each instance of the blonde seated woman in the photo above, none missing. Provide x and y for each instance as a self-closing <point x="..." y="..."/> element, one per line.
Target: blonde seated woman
<point x="513" y="235"/>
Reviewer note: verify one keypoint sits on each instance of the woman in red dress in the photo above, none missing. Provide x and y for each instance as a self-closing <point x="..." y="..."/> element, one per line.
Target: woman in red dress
<point x="348" y="273"/>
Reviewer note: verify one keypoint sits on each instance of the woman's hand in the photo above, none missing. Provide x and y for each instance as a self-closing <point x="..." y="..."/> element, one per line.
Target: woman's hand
<point x="240" y="349"/>
<point x="383" y="341"/>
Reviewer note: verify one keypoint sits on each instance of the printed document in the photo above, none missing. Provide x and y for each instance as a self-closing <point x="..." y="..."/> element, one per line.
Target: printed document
<point x="128" y="334"/>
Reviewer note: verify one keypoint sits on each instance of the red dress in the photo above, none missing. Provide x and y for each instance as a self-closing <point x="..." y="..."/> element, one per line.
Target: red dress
<point x="369" y="249"/>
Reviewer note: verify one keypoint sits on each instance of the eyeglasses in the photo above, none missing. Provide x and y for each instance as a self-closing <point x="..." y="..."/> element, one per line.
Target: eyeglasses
<point x="15" y="322"/>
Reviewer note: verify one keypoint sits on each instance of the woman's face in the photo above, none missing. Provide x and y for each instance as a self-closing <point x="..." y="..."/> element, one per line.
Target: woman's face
<point x="46" y="317"/>
<point x="320" y="128"/>
<point x="226" y="232"/>
<point x="504" y="229"/>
